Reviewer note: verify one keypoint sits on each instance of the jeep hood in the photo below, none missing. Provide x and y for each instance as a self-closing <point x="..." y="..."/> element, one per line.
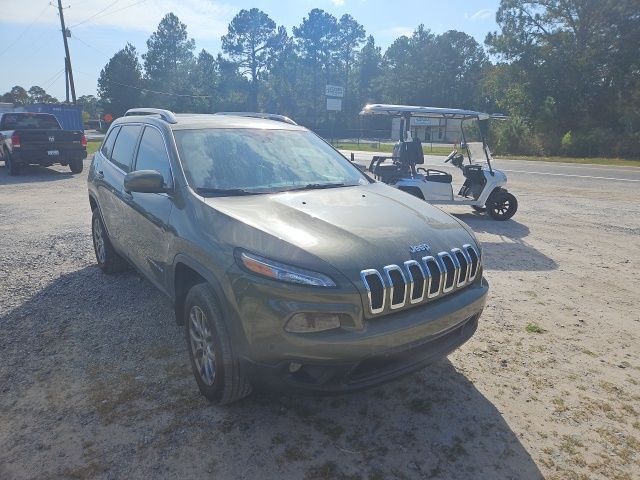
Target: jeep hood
<point x="351" y="228"/>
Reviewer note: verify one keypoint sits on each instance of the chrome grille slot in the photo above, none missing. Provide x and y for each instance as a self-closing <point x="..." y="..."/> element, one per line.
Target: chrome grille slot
<point x="417" y="281"/>
<point x="414" y="282"/>
<point x="375" y="289"/>
<point x="461" y="257"/>
<point x="474" y="260"/>
<point x="434" y="270"/>
<point x="450" y="271"/>
<point x="397" y="285"/>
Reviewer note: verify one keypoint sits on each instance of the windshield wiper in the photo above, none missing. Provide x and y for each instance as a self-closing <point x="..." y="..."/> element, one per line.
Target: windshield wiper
<point x="224" y="192"/>
<point x="314" y="186"/>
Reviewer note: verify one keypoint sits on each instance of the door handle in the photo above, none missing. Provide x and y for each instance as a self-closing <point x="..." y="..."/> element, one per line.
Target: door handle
<point x="100" y="174"/>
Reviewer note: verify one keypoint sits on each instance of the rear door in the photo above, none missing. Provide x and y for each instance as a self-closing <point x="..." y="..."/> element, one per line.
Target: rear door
<point x="111" y="172"/>
<point x="147" y="214"/>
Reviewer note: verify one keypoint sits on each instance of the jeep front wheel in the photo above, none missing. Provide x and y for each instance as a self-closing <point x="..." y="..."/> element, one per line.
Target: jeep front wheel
<point x="214" y="360"/>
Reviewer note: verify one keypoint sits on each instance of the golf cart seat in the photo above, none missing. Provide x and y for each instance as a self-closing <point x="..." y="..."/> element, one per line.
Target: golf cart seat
<point x="474" y="173"/>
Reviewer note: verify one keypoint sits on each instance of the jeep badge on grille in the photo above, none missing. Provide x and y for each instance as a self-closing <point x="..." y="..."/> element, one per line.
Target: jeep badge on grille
<point x="422" y="247"/>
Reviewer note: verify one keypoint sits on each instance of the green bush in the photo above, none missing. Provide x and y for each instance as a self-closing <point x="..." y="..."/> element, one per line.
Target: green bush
<point x="514" y="136"/>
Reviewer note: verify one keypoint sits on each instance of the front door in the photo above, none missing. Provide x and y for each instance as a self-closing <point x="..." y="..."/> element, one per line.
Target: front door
<point x="147" y="214"/>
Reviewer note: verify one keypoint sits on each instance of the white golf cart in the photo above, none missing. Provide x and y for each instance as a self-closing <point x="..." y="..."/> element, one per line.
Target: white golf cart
<point x="484" y="187"/>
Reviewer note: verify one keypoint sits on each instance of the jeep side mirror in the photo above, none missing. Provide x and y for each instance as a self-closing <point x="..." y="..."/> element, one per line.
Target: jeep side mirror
<point x="144" y="181"/>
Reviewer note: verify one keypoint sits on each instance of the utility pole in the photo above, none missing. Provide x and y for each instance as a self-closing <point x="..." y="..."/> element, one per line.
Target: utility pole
<point x="68" y="70"/>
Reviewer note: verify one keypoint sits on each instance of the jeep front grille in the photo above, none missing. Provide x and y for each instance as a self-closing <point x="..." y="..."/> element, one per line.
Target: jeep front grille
<point x="417" y="281"/>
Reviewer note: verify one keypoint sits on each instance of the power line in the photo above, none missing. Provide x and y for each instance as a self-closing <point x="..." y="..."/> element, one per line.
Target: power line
<point x="95" y="14"/>
<point x="103" y="13"/>
<point x="75" y="37"/>
<point x="145" y="90"/>
<point x="50" y="77"/>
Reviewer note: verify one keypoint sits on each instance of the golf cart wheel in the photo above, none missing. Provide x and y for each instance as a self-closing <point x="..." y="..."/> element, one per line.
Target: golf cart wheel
<point x="503" y="206"/>
<point x="479" y="209"/>
<point x="214" y="359"/>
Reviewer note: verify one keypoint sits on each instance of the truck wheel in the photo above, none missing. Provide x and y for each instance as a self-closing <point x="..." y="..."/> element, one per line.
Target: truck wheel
<point x="214" y="361"/>
<point x="76" y="165"/>
<point x="503" y="206"/>
<point x="108" y="260"/>
<point x="12" y="167"/>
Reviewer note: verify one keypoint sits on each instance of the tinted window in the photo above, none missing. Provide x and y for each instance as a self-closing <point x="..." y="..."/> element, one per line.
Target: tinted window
<point x="152" y="154"/>
<point x="29" y="121"/>
<point x="107" y="145"/>
<point x="125" y="143"/>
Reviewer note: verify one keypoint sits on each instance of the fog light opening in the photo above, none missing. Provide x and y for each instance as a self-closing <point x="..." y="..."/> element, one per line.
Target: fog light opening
<point x="294" y="367"/>
<point x="307" y="322"/>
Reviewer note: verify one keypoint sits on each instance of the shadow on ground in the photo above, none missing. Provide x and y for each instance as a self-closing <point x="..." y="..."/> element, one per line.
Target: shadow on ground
<point x="32" y="174"/>
<point x="95" y="383"/>
<point x="507" y="253"/>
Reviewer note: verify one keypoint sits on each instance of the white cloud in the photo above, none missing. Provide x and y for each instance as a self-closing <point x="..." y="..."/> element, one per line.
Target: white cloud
<point x="205" y="19"/>
<point x="338" y="3"/>
<point x="480" y="15"/>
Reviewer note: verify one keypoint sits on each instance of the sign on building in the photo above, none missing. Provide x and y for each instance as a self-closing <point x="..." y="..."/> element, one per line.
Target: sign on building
<point x="334" y="104"/>
<point x="334" y="91"/>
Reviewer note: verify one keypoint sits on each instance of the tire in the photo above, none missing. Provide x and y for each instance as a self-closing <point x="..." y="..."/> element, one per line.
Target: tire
<point x="479" y="209"/>
<point x="214" y="361"/>
<point x="503" y="206"/>
<point x="106" y="257"/>
<point x="12" y="167"/>
<point x="76" y="165"/>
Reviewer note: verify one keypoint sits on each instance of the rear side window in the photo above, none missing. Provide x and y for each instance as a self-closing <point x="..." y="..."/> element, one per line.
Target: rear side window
<point x="152" y="154"/>
<point x="125" y="144"/>
<point x="107" y="145"/>
<point x="29" y="121"/>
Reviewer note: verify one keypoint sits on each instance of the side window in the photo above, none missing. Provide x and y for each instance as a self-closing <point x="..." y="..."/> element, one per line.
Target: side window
<point x="125" y="144"/>
<point x="107" y="145"/>
<point x="152" y="154"/>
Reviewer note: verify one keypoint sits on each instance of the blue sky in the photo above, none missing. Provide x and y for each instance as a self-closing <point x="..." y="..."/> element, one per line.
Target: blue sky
<point x="31" y="50"/>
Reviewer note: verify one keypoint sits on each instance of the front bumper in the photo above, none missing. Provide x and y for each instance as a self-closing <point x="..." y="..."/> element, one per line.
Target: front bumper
<point x="385" y="348"/>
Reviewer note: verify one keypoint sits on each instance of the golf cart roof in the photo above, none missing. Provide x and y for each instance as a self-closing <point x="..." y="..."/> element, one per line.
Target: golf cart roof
<point x="428" y="112"/>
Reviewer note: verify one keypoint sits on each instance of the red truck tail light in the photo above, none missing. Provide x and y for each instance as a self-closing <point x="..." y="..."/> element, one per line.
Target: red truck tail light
<point x="84" y="140"/>
<point x="15" y="140"/>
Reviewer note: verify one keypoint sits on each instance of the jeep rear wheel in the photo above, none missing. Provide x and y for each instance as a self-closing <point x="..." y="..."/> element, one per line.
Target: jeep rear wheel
<point x="108" y="260"/>
<point x="214" y="360"/>
<point x="503" y="206"/>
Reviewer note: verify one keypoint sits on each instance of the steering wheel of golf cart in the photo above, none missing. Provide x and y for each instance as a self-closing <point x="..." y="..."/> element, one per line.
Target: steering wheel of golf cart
<point x="451" y="156"/>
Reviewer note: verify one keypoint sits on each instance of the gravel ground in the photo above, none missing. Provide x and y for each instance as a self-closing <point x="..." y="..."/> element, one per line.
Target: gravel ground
<point x="95" y="380"/>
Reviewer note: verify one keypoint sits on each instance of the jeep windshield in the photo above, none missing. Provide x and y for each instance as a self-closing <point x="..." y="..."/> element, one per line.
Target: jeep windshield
<point x="238" y="161"/>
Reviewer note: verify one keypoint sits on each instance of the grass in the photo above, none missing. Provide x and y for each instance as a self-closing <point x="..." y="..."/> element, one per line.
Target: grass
<point x="621" y="162"/>
<point x="388" y="148"/>
<point x="534" y="328"/>
<point x="93" y="146"/>
<point x="443" y="151"/>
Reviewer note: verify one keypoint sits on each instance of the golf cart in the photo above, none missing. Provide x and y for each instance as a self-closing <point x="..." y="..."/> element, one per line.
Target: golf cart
<point x="483" y="189"/>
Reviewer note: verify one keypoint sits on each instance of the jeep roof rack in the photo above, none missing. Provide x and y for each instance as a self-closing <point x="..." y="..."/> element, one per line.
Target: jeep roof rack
<point x="166" y="115"/>
<point x="268" y="116"/>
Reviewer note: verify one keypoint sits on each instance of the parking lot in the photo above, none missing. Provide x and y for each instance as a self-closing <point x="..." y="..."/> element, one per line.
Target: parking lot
<point x="95" y="380"/>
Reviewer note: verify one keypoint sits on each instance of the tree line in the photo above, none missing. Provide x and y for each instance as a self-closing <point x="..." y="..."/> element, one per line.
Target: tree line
<point x="566" y="72"/>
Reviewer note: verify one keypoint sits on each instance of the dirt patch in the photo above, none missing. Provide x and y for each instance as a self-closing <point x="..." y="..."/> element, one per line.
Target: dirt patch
<point x="95" y="379"/>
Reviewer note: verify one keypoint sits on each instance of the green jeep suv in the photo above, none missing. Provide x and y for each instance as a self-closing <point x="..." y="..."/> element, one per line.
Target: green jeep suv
<point x="287" y="266"/>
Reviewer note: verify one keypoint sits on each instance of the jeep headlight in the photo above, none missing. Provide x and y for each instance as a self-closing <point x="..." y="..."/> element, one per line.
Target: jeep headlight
<point x="280" y="271"/>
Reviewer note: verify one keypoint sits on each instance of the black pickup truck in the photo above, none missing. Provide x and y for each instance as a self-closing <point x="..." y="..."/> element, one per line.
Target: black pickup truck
<point x="37" y="138"/>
